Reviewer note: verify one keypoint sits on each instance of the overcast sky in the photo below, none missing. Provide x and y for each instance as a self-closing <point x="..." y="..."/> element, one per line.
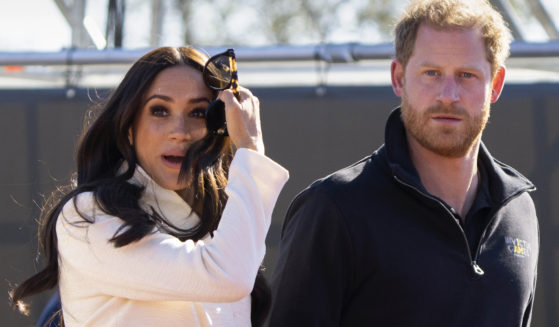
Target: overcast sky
<point x="37" y="25"/>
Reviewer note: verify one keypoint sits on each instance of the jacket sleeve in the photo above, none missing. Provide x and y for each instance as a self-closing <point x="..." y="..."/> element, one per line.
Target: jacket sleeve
<point x="160" y="267"/>
<point x="527" y="317"/>
<point x="311" y="276"/>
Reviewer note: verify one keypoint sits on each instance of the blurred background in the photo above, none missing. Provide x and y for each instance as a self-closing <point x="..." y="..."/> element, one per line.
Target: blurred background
<point x="319" y="67"/>
<point x="56" y="24"/>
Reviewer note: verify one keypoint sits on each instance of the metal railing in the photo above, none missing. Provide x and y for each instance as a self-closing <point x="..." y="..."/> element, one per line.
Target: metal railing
<point x="332" y="53"/>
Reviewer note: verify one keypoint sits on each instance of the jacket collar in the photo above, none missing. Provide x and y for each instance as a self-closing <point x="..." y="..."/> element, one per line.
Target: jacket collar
<point x="503" y="180"/>
<point x="397" y="151"/>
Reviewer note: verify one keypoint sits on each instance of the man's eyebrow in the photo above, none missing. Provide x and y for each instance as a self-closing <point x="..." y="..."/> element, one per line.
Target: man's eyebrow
<point x="433" y="65"/>
<point x="473" y="68"/>
<point x="428" y="64"/>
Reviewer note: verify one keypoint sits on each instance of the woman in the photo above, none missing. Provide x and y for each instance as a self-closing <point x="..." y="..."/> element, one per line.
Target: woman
<point x="140" y="241"/>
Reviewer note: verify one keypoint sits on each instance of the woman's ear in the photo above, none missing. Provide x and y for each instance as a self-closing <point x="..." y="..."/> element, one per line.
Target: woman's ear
<point x="397" y="74"/>
<point x="130" y="136"/>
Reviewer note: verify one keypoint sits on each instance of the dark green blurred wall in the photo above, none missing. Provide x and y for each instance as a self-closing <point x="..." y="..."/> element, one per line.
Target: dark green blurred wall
<point x="310" y="135"/>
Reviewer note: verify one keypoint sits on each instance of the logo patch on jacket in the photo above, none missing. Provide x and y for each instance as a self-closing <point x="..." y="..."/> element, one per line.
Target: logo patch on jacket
<point x="518" y="247"/>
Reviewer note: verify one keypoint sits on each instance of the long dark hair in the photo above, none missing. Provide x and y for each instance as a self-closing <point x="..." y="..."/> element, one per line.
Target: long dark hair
<point x="104" y="148"/>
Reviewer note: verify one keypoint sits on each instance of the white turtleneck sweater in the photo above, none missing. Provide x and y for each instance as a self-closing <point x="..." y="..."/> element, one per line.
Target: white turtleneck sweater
<point x="159" y="280"/>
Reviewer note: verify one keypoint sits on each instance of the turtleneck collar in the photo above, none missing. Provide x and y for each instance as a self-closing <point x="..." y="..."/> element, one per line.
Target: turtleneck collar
<point x="166" y="203"/>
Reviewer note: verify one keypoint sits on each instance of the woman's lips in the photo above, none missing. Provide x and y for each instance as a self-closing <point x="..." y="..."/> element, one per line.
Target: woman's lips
<point x="172" y="161"/>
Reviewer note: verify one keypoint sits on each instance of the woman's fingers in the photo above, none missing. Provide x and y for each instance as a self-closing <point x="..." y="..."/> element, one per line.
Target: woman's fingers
<point x="243" y="119"/>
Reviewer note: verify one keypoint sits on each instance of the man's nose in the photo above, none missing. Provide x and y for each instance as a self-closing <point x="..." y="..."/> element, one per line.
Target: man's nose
<point x="448" y="92"/>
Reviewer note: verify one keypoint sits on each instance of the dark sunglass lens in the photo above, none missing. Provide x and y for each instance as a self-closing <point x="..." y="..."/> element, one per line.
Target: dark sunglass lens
<point x="215" y="118"/>
<point x="217" y="74"/>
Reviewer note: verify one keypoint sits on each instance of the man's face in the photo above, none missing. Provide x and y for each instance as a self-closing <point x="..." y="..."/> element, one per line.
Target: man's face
<point x="446" y="90"/>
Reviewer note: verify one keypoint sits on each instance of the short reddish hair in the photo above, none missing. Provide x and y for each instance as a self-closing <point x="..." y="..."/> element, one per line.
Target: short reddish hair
<point x="454" y="14"/>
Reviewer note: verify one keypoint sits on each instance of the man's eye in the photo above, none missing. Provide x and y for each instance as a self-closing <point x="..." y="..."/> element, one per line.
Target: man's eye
<point x="467" y="75"/>
<point x="198" y="113"/>
<point x="431" y="73"/>
<point x="158" y="111"/>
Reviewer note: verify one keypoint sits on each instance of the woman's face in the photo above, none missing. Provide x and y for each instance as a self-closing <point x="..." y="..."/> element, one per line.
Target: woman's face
<point x="171" y="118"/>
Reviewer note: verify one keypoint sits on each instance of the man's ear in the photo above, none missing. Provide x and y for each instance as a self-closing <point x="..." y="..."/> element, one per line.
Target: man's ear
<point x="497" y="84"/>
<point x="397" y="75"/>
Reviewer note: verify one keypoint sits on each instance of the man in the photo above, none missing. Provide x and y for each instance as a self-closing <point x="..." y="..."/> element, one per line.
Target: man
<point x="429" y="230"/>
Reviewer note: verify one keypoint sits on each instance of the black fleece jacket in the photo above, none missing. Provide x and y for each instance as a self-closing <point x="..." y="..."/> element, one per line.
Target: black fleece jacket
<point x="369" y="246"/>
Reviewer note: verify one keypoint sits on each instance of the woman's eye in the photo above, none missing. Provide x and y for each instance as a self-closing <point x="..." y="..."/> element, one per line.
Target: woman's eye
<point x="158" y="111"/>
<point x="198" y="113"/>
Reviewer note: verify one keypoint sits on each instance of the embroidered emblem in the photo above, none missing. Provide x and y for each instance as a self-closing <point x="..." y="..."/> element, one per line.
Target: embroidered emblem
<point x="518" y="247"/>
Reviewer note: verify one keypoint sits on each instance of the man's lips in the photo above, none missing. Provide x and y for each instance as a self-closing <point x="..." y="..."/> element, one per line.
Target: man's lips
<point x="447" y="118"/>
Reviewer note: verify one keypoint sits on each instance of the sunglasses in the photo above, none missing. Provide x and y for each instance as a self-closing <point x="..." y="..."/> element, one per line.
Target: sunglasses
<point x="220" y="73"/>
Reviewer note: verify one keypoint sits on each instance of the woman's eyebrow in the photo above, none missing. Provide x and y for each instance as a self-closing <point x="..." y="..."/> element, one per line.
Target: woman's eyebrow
<point x="169" y="99"/>
<point x="159" y="96"/>
<point x="199" y="99"/>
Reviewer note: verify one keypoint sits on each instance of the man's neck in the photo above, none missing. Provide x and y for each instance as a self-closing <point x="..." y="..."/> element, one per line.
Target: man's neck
<point x="454" y="180"/>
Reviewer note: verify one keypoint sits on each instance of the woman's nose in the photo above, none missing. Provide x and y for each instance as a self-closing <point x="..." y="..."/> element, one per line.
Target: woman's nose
<point x="179" y="131"/>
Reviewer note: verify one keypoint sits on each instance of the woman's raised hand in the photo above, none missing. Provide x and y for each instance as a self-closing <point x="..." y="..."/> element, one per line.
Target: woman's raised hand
<point x="243" y="119"/>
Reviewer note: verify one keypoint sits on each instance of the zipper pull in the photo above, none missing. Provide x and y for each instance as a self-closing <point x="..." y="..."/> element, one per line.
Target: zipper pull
<point x="477" y="269"/>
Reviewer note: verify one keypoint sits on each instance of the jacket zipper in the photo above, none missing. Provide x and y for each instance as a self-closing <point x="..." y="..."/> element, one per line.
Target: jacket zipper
<point x="475" y="267"/>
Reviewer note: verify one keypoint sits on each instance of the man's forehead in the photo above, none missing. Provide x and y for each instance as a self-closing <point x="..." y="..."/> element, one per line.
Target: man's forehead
<point x="455" y="45"/>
